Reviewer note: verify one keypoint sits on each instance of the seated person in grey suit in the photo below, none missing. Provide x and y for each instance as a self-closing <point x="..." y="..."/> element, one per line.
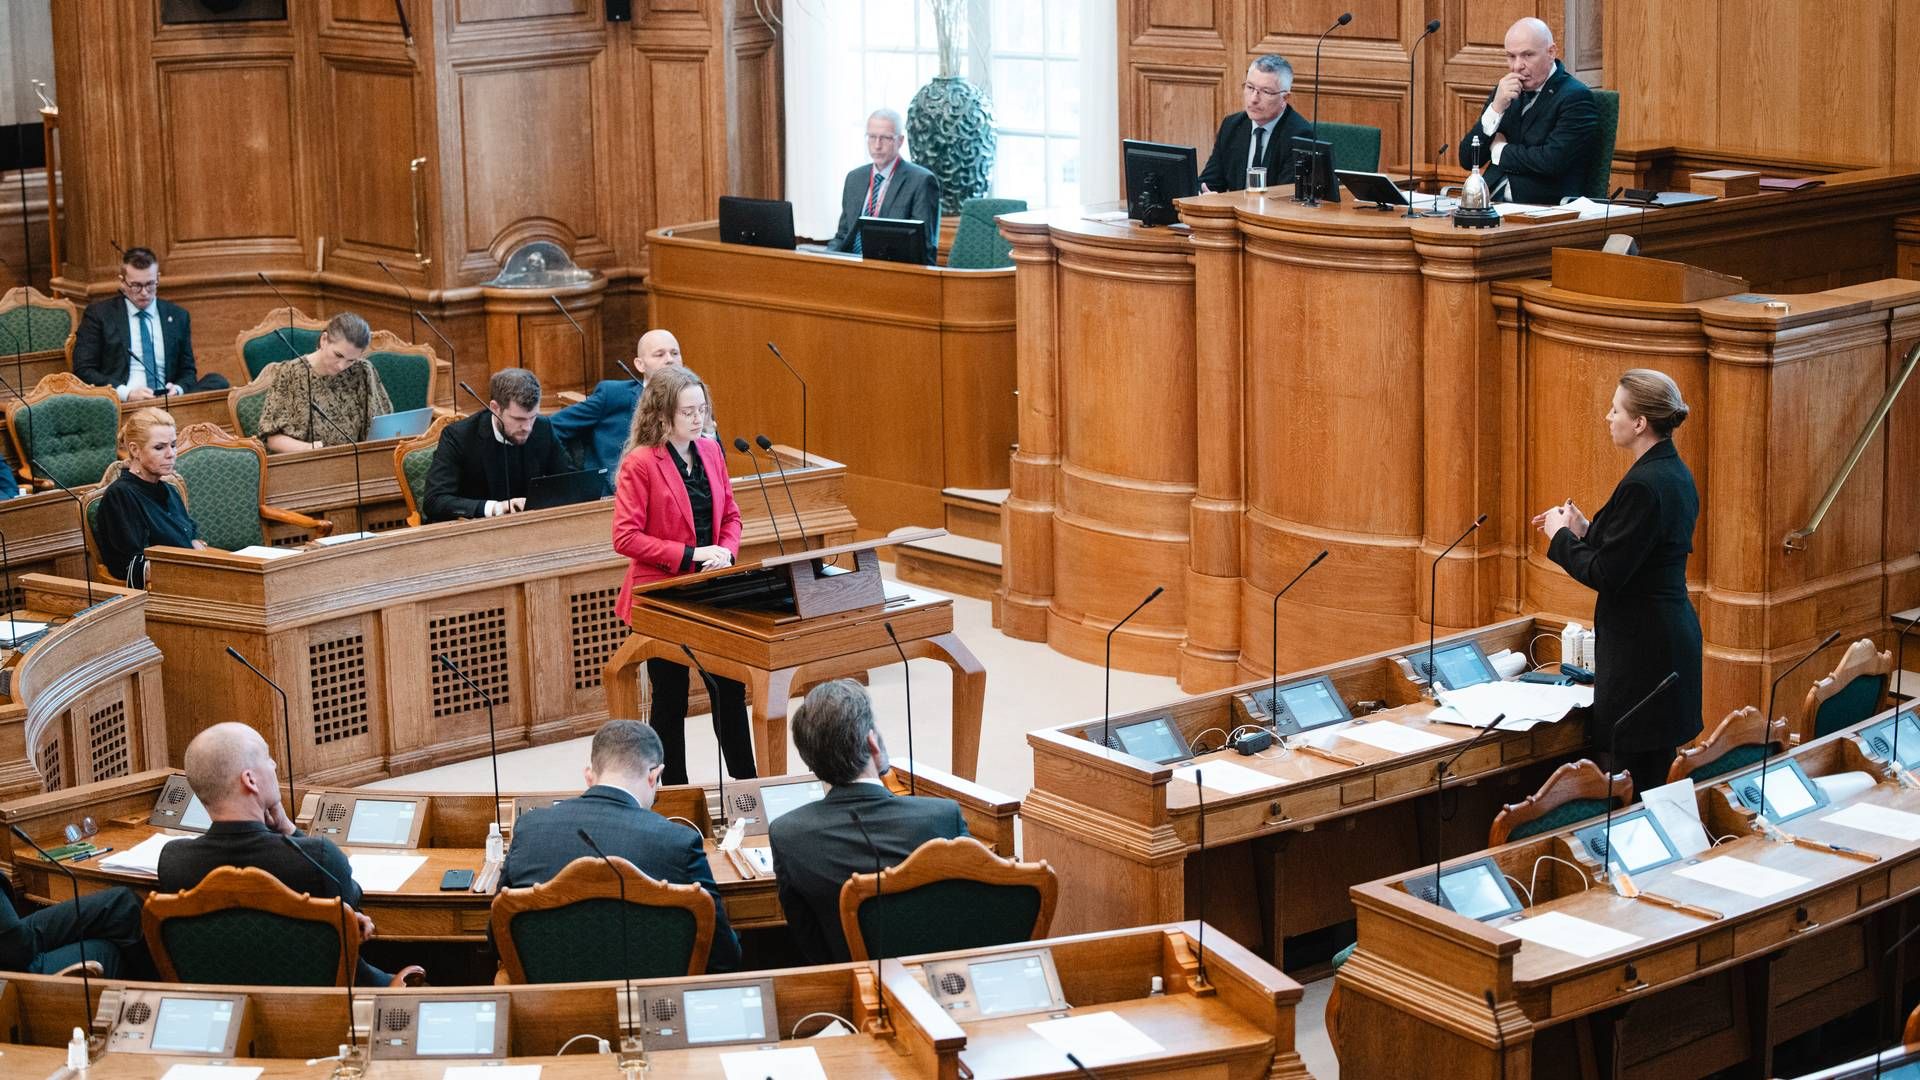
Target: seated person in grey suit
<point x="891" y="187"/>
<point x="101" y="925"/>
<point x="817" y="847"/>
<point x="623" y="776"/>
<point x="233" y="772"/>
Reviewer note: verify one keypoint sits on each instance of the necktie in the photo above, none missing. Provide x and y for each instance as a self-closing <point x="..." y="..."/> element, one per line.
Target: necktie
<point x="146" y="351"/>
<point x="876" y="184"/>
<point x="1259" y="149"/>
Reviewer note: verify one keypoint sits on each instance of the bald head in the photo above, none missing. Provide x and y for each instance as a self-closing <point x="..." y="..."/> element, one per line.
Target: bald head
<point x="231" y="769"/>
<point x="657" y="349"/>
<point x="1531" y="52"/>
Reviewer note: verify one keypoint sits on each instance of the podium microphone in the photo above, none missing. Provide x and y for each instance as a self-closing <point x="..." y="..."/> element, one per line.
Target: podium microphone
<point x="1439" y="814"/>
<point x="1200" y="821"/>
<point x="1273" y="693"/>
<point x="1767" y="721"/>
<point x="340" y="895"/>
<point x="453" y="357"/>
<point x="1106" y="709"/>
<point x="286" y="724"/>
<point x="86" y="982"/>
<point x="1344" y="19"/>
<point x="766" y="444"/>
<point x="906" y="672"/>
<point x="586" y="377"/>
<point x="493" y="739"/>
<point x="1606" y="833"/>
<point x="1433" y="602"/>
<point x="775" y="349"/>
<point x="626" y="951"/>
<point x="719" y="750"/>
<point x="879" y="896"/>
<point x="1413" y="111"/>
<point x="773" y="518"/>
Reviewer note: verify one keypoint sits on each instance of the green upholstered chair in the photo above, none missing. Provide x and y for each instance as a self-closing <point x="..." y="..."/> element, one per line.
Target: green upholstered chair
<point x="949" y="894"/>
<point x="1356" y="147"/>
<point x="31" y="323"/>
<point x="407" y="371"/>
<point x="411" y="460"/>
<point x="540" y="930"/>
<point x="977" y="243"/>
<point x="267" y="342"/>
<point x="1606" y="104"/>
<point x="90" y="512"/>
<point x="245" y="403"/>
<point x="243" y="927"/>
<point x="1851" y="694"/>
<point x="1739" y="740"/>
<point x="226" y="481"/>
<point x="66" y="427"/>
<point x="1575" y="792"/>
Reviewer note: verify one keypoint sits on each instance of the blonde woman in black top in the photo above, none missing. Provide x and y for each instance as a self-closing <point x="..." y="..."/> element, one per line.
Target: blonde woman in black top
<point x="140" y="509"/>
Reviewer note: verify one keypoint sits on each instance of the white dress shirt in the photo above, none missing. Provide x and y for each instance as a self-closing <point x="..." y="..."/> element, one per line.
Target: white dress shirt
<point x="136" y="370"/>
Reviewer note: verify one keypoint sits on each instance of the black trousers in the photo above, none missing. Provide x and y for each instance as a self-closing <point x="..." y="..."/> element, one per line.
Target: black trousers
<point x="1647" y="767"/>
<point x="669" y="720"/>
<point x="49" y="939"/>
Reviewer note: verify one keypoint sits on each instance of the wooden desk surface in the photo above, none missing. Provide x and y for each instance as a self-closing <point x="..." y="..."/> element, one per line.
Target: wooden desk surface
<point x="859" y="1056"/>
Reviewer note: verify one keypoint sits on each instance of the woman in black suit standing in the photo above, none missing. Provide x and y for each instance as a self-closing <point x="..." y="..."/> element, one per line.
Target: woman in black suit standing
<point x="1634" y="555"/>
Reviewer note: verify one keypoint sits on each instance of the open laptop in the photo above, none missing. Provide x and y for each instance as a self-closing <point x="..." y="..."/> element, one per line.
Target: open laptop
<point x="565" y="489"/>
<point x="399" y="425"/>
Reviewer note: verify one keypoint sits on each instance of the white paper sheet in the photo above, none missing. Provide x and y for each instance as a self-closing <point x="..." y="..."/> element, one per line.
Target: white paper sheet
<point x="329" y="541"/>
<point x="1225" y="777"/>
<point x="1445" y="715"/>
<point x="1517" y="701"/>
<point x="760" y="857"/>
<point x="1674" y="807"/>
<point x="261" y="551"/>
<point x="1739" y="875"/>
<point x="1881" y="820"/>
<point x="384" y="873"/>
<point x="212" y="1072"/>
<point x="491" y="1072"/>
<point x="785" y="1063"/>
<point x="1391" y="737"/>
<point x="15" y="629"/>
<point x="142" y="858"/>
<point x="1097" y="1039"/>
<point x="1557" y="930"/>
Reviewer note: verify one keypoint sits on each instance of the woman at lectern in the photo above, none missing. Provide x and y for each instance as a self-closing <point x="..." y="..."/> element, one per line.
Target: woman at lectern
<point x="140" y="509"/>
<point x="1634" y="555"/>
<point x="673" y="513"/>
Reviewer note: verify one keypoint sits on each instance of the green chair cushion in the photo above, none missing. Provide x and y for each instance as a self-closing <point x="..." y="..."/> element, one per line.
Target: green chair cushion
<point x="1855" y="702"/>
<point x="1606" y="107"/>
<point x="1559" y="817"/>
<point x="1340" y="958"/>
<point x="268" y="348"/>
<point x="581" y="942"/>
<point x="945" y="915"/>
<point x="72" y="436"/>
<point x="406" y="377"/>
<point x="414" y="466"/>
<point x="247" y="411"/>
<point x="223" y="487"/>
<point x="1356" y="147"/>
<point x="34" y="329"/>
<point x="241" y="946"/>
<point x="1733" y="760"/>
<point x="977" y="243"/>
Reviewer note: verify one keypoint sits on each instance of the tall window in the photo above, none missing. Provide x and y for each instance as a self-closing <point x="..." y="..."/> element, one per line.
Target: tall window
<point x="1035" y="54"/>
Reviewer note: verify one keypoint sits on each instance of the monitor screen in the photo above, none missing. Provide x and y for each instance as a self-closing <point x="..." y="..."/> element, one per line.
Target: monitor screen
<point x="902" y="240"/>
<point x="1461" y="665"/>
<point x="1637" y="842"/>
<point x="192" y="1025"/>
<point x="381" y="821"/>
<point x="777" y="799"/>
<point x="1157" y="174"/>
<point x="1313" y="705"/>
<point x="756" y="222"/>
<point x="1158" y="740"/>
<point x="1016" y="984"/>
<point x="727" y="1014"/>
<point x="1789" y="792"/>
<point x="195" y="815"/>
<point x="457" y="1028"/>
<point x="1879" y="740"/>
<point x="1475" y="889"/>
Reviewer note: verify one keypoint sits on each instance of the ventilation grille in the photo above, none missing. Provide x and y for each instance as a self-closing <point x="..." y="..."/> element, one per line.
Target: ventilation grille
<point x="50" y="769"/>
<point x="337" y="685"/>
<point x="107" y="748"/>
<point x="597" y="634"/>
<point x="477" y="642"/>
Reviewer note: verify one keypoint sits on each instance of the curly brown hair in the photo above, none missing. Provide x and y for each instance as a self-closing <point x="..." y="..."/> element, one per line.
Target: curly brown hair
<point x="653" y="416"/>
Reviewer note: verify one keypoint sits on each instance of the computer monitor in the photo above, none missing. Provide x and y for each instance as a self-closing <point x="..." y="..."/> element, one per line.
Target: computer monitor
<point x="1878" y="740"/>
<point x="726" y="1014"/>
<point x="1157" y="739"/>
<point x="764" y="223"/>
<point x="777" y="799"/>
<point x="443" y="1027"/>
<point x="1790" y="792"/>
<point x="1304" y="706"/>
<point x="1461" y="664"/>
<point x="1002" y="984"/>
<point x="1157" y="174"/>
<point x="1475" y="889"/>
<point x="1310" y="168"/>
<point x="566" y="488"/>
<point x="1637" y="842"/>
<point x="901" y="240"/>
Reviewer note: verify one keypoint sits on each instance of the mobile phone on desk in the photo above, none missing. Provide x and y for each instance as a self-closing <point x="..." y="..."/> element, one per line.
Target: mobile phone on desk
<point x="456" y="881"/>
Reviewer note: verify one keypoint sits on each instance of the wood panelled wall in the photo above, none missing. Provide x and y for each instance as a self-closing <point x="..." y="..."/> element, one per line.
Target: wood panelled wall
<point x="286" y="147"/>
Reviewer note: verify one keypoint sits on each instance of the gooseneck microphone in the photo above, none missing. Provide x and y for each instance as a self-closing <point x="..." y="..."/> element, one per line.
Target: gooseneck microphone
<point x="86" y="980"/>
<point x="453" y="356"/>
<point x="800" y="526"/>
<point x="719" y="750"/>
<point x="506" y="463"/>
<point x="493" y="738"/>
<point x="1766" y="728"/>
<point x="775" y="349"/>
<point x="285" y="339"/>
<point x="1413" y="111"/>
<point x="359" y="494"/>
<point x="1433" y="601"/>
<point x="586" y="377"/>
<point x="1345" y="18"/>
<point x="1106" y="708"/>
<point x="41" y="471"/>
<point x="626" y="951"/>
<point x="1273" y="692"/>
<point x="760" y="479"/>
<point x="879" y="898"/>
<point x="1200" y="821"/>
<point x="1613" y="735"/>
<point x="286" y="724"/>
<point x="906" y="673"/>
<point x="631" y="377"/>
<point x="1439" y="813"/>
<point x="340" y="897"/>
<point x="412" y="336"/>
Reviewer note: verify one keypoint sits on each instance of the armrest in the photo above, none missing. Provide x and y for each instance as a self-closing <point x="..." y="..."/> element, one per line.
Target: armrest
<point x="320" y="526"/>
<point x="570" y="397"/>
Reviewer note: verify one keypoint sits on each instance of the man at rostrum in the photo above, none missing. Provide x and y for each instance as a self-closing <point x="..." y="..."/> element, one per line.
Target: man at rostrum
<point x="137" y="343"/>
<point x="1536" y="132"/>
<point x="623" y="777"/>
<point x="817" y="847"/>
<point x="229" y="766"/>
<point x="1262" y="134"/>
<point x="596" y="429"/>
<point x="890" y="187"/>
<point x="483" y="463"/>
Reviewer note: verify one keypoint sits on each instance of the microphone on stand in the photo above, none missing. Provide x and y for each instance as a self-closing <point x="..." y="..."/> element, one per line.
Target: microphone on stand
<point x="622" y="364"/>
<point x="453" y="355"/>
<point x="803" y="398"/>
<point x="1106" y="709"/>
<point x="906" y="672"/>
<point x="1623" y="885"/>
<point x="286" y="726"/>
<point x="719" y="751"/>
<point x="586" y="378"/>
<point x="626" y="951"/>
<point x="1439" y="158"/>
<point x="340" y="896"/>
<point x="1344" y="19"/>
<point x="493" y="740"/>
<point x="1200" y="821"/>
<point x="879" y="895"/>
<point x="1413" y="111"/>
<point x="412" y="335"/>
<point x="1622" y="244"/>
<point x="1433" y="601"/>
<point x="359" y="493"/>
<point x="1273" y="693"/>
<point x="86" y="981"/>
<point x="742" y="446"/>
<point x="166" y="388"/>
<point x="1766" y="728"/>
<point x="1439" y="815"/>
<point x="285" y="303"/>
<point x="41" y="471"/>
<point x="766" y="444"/>
<point x="1081" y="1067"/>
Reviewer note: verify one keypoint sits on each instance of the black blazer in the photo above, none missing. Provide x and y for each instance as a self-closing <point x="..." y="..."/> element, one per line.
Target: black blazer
<point x="817" y="847"/>
<point x="546" y="840"/>
<point x="1635" y="557"/>
<point x="1227" y="166"/>
<point x="471" y="467"/>
<point x="913" y="194"/>
<point x="102" y="352"/>
<point x="185" y="863"/>
<point x="1549" y="149"/>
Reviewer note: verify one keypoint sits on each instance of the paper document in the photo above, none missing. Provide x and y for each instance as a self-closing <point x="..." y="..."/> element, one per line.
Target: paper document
<point x="15" y="629"/>
<point x="1518" y="701"/>
<point x="1557" y="930"/>
<point x="143" y="858"/>
<point x="786" y="1063"/>
<point x="260" y="551"/>
<point x="1097" y="1039"/>
<point x="1391" y="737"/>
<point x="1108" y="215"/>
<point x="384" y="873"/>
<point x="1743" y="877"/>
<point x="1881" y="820"/>
<point x="329" y="541"/>
<point x="1225" y="777"/>
<point x="1674" y="808"/>
<point x="760" y="857"/>
<point x="211" y="1072"/>
<point x="490" y="1072"/>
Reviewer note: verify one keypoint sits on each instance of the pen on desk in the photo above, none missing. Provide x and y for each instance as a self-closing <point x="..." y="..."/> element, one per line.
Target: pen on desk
<point x="1836" y="849"/>
<point x="1309" y="748"/>
<point x="1688" y="909"/>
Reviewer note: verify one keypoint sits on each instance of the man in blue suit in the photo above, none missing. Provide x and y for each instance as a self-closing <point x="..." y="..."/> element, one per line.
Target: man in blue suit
<point x="595" y="430"/>
<point x="623" y="776"/>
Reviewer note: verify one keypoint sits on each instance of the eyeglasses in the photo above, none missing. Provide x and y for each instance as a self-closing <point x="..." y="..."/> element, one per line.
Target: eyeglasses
<point x="694" y="412"/>
<point x="882" y="138"/>
<point x="1262" y="92"/>
<point x="80" y="830"/>
<point x="141" y="286"/>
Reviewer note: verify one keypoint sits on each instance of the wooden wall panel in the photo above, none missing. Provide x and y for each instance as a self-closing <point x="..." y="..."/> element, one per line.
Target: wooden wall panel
<point x="518" y="159"/>
<point x="1808" y="76"/>
<point x="378" y="13"/>
<point x="239" y="189"/>
<point x="481" y="11"/>
<point x="1186" y="24"/>
<point x="675" y="84"/>
<point x="373" y="140"/>
<point x="1181" y="105"/>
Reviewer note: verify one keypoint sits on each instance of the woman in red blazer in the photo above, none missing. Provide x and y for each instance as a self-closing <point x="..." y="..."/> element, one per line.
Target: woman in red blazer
<point x="673" y="513"/>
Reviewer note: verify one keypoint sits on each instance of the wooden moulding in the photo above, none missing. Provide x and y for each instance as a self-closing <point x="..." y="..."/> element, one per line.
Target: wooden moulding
<point x="1633" y="277"/>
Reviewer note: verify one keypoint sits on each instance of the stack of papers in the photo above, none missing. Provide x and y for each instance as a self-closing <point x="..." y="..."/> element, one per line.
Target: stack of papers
<point x="1391" y="737"/>
<point x="1522" y="703"/>
<point x="384" y="873"/>
<point x="142" y="859"/>
<point x="1097" y="1039"/>
<point x="1224" y="777"/>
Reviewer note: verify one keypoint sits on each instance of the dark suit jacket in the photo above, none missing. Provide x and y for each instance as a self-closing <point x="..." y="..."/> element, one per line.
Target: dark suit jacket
<point x="184" y="863"/>
<point x="817" y="847"/>
<point x="1227" y="166"/>
<point x="545" y="841"/>
<point x="596" y="429"/>
<point x="102" y="352"/>
<point x="913" y="193"/>
<point x="1549" y="149"/>
<point x="1635" y="557"/>
<point x="471" y="467"/>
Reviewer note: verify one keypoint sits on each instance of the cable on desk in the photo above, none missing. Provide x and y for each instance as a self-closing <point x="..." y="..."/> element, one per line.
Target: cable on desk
<point x="677" y="817"/>
<point x="603" y="1048"/>
<point x="1224" y="739"/>
<point x="794" y="1034"/>
<point x="1535" y="879"/>
<point x="1524" y="891"/>
<point x="1534" y="644"/>
<point x="1718" y="840"/>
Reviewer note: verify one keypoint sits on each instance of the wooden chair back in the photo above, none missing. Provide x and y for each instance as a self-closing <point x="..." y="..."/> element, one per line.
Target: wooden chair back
<point x="409" y="469"/>
<point x="1738" y="740"/>
<point x="948" y="894"/>
<point x="261" y="344"/>
<point x="244" y="403"/>
<point x="409" y="372"/>
<point x="90" y="509"/>
<point x="568" y="929"/>
<point x="1852" y="692"/>
<point x="1575" y="792"/>
<point x="83" y="419"/>
<point x="220" y="498"/>
<point x="272" y="936"/>
<point x="31" y="322"/>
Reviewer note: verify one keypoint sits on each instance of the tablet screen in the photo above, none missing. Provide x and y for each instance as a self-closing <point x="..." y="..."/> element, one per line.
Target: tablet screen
<point x="727" y="1014"/>
<point x="192" y="1025"/>
<point x="1156" y="740"/>
<point x="381" y="821"/>
<point x="457" y="1028"/>
<point x="1016" y="984"/>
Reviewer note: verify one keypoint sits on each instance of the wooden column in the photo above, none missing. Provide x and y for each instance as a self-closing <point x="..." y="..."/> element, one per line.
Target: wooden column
<point x="1026" y="545"/>
<point x="1209" y="655"/>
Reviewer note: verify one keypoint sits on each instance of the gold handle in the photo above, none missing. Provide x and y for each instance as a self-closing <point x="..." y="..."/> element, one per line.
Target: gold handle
<point x="419" y="231"/>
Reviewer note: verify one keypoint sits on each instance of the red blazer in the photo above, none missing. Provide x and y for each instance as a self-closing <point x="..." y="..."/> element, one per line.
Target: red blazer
<point x="653" y="518"/>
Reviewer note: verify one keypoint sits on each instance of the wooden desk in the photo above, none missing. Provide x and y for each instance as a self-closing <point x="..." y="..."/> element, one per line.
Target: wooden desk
<point x="910" y="368"/>
<point x="1691" y="996"/>
<point x="1123" y="834"/>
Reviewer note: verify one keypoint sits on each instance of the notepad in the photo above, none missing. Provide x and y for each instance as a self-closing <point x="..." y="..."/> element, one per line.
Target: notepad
<point x="384" y="873"/>
<point x="1739" y="875"/>
<point x="329" y="541"/>
<point x="1558" y="930"/>
<point x="1225" y="777"/>
<point x="490" y="1072"/>
<point x="1097" y="1039"/>
<point x="1479" y="705"/>
<point x="212" y="1072"/>
<point x="760" y="857"/>
<point x="142" y="858"/>
<point x="1881" y="820"/>
<point x="261" y="551"/>
<point x="785" y="1063"/>
<point x="1391" y="737"/>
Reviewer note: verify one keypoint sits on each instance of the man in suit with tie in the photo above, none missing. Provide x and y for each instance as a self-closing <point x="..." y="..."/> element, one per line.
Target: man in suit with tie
<point x="596" y="429"/>
<point x="623" y="777"/>
<point x="137" y="343"/>
<point x="1534" y="139"/>
<point x="1262" y="135"/>
<point x="483" y="463"/>
<point x="817" y="847"/>
<point x="891" y="187"/>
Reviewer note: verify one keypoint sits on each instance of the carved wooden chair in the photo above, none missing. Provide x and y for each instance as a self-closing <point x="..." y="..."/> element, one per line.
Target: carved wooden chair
<point x="281" y="334"/>
<point x="411" y="460"/>
<point x="569" y="929"/>
<point x="1736" y="742"/>
<point x="246" y="402"/>
<point x="226" y="480"/>
<point x="410" y="373"/>
<point x="243" y="927"/>
<point x="1854" y="691"/>
<point x="32" y="323"/>
<point x="90" y="512"/>
<point x="948" y="894"/>
<point x="68" y="428"/>
<point x="1575" y="792"/>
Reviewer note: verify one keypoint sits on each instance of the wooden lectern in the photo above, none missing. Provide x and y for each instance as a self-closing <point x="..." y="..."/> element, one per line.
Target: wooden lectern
<point x="1636" y="277"/>
<point x="789" y="621"/>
